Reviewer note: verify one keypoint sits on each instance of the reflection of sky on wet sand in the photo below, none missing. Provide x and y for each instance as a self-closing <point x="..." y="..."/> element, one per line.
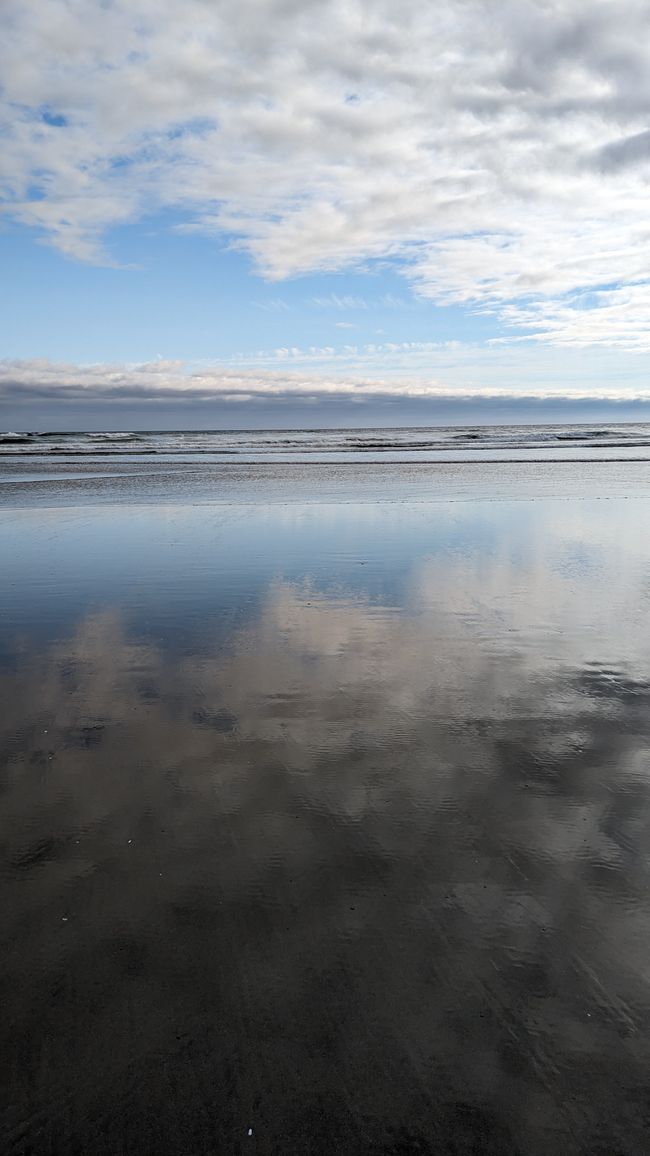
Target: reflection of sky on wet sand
<point x="359" y="862"/>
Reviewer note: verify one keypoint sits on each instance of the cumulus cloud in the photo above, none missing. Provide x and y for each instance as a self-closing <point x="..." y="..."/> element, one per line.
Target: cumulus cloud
<point x="495" y="153"/>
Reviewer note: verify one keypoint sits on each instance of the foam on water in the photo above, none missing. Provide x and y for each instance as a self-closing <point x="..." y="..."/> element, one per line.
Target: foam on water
<point x="501" y="442"/>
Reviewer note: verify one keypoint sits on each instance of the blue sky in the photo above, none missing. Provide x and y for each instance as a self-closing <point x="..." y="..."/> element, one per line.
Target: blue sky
<point x="213" y="210"/>
<point x="175" y="295"/>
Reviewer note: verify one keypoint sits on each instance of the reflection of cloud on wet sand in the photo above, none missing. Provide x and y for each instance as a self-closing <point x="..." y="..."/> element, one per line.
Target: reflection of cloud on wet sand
<point x="363" y="867"/>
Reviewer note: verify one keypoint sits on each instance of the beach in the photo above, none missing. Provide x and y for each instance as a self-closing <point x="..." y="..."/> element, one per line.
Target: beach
<point x="326" y="792"/>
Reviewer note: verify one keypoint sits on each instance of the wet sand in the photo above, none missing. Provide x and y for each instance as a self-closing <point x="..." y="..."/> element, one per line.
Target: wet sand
<point x="326" y="809"/>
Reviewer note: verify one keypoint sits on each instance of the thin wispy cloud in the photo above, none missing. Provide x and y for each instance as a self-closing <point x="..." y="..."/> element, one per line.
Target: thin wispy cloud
<point x="497" y="155"/>
<point x="384" y="354"/>
<point x="275" y="305"/>
<point x="337" y="301"/>
<point x="351" y="302"/>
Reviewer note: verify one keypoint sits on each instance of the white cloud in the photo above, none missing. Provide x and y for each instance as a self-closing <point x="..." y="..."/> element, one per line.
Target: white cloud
<point x="346" y="302"/>
<point x="41" y="379"/>
<point x="273" y="305"/>
<point x="396" y="372"/>
<point x="615" y="317"/>
<point x="499" y="153"/>
<point x="382" y="355"/>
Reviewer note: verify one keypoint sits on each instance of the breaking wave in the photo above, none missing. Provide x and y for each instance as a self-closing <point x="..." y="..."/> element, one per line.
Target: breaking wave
<point x="415" y="444"/>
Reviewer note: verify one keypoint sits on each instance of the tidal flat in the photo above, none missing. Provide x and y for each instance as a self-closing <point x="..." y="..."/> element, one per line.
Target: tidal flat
<point x="325" y="808"/>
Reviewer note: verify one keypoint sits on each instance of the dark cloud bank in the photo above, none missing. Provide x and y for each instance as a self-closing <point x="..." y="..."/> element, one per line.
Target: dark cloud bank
<point x="288" y="411"/>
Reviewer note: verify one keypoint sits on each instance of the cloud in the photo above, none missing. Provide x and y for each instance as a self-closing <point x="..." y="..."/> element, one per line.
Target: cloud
<point x="628" y="151"/>
<point x="614" y="317"/>
<point x="274" y="305"/>
<point x="400" y="374"/>
<point x="39" y="380"/>
<point x="344" y="301"/>
<point x="388" y="354"/>
<point x="350" y="302"/>
<point x="494" y="154"/>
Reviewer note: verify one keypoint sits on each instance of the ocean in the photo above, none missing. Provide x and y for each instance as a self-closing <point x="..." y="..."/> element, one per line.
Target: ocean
<point x="480" y="443"/>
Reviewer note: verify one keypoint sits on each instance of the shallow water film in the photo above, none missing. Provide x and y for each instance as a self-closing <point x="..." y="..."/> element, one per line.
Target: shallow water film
<point x="326" y="812"/>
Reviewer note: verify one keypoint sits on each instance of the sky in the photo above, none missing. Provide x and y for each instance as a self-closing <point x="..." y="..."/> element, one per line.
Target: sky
<point x="219" y="213"/>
